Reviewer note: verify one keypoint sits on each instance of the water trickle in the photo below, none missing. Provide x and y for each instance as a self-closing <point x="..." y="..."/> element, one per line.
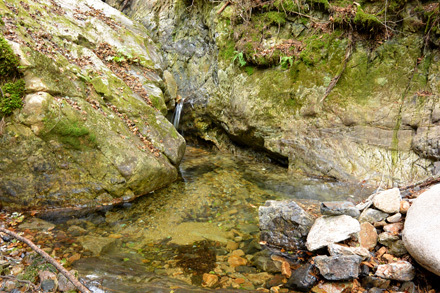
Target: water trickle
<point x="177" y="113"/>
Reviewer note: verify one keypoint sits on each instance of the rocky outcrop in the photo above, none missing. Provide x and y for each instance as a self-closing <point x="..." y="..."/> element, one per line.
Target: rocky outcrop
<point x="92" y="130"/>
<point x="422" y="224"/>
<point x="375" y="124"/>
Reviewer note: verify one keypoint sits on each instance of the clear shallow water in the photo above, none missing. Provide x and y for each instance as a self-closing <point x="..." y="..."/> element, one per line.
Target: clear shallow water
<point x="215" y="202"/>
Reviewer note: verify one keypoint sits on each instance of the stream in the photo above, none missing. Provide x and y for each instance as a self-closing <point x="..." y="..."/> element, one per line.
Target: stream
<point x="168" y="239"/>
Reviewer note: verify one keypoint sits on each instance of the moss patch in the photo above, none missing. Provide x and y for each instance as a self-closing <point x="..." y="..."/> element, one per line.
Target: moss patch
<point x="11" y="97"/>
<point x="8" y="61"/>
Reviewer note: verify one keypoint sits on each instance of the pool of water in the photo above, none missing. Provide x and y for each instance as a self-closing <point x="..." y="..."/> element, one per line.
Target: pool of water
<point x="180" y="232"/>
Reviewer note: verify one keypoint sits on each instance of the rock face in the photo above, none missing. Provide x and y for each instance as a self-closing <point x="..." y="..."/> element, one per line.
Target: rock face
<point x="362" y="130"/>
<point x="284" y="224"/>
<point x="92" y="130"/>
<point x="327" y="230"/>
<point x="420" y="235"/>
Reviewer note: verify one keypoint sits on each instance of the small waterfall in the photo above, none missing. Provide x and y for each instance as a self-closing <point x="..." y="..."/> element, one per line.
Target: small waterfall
<point x="177" y="113"/>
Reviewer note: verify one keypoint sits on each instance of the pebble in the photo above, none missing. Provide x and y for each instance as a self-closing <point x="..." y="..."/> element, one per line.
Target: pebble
<point x="210" y="280"/>
<point x="394" y="218"/>
<point x="238" y="252"/>
<point x="404" y="206"/>
<point x="368" y="236"/>
<point x="394" y="228"/>
<point x="235" y="261"/>
<point x="231" y="245"/>
<point x="335" y="268"/>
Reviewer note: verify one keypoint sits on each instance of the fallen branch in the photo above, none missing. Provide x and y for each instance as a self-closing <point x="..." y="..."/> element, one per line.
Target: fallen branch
<point x="341" y="71"/>
<point x="14" y="278"/>
<point x="47" y="257"/>
<point x="223" y="7"/>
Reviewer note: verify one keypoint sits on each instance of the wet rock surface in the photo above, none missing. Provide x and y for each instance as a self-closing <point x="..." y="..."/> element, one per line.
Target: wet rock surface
<point x="340" y="267"/>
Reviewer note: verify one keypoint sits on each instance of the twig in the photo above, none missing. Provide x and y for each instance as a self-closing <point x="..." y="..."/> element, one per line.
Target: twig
<point x="223" y="7"/>
<point x="12" y="277"/>
<point x="47" y="257"/>
<point x="344" y="65"/>
<point x="126" y="2"/>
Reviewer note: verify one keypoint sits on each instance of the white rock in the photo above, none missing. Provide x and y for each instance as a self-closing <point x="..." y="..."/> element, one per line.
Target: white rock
<point x="328" y="230"/>
<point x="399" y="271"/>
<point x="394" y="218"/>
<point x="388" y="200"/>
<point x="421" y="233"/>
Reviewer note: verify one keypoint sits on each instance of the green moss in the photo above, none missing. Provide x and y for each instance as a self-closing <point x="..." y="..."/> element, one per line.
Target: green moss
<point x="324" y="4"/>
<point x="226" y="51"/>
<point x="273" y="17"/>
<point x="366" y="21"/>
<point x="72" y="133"/>
<point x="286" y="5"/>
<point x="11" y="97"/>
<point x="8" y="61"/>
<point x="249" y="70"/>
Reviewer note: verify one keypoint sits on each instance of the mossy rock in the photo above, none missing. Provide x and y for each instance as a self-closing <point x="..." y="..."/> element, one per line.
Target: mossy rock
<point x="8" y="61"/>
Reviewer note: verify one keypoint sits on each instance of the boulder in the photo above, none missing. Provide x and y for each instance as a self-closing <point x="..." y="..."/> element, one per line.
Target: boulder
<point x="421" y="233"/>
<point x="388" y="201"/>
<point x="331" y="229"/>
<point x="399" y="271"/>
<point x="335" y="268"/>
<point x="336" y="208"/>
<point x="84" y="139"/>
<point x="284" y="224"/>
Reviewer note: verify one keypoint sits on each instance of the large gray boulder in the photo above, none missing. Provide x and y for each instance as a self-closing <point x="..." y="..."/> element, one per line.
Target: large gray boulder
<point x="92" y="130"/>
<point x="421" y="233"/>
<point x="284" y="224"/>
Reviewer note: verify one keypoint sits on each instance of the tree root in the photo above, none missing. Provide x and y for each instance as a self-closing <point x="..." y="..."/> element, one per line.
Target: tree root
<point x="48" y="258"/>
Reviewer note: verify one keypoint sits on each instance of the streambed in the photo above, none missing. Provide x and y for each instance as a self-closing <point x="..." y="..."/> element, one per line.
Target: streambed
<point x="169" y="238"/>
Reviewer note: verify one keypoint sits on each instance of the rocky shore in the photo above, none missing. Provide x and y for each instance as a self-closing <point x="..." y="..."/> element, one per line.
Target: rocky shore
<point x="333" y="247"/>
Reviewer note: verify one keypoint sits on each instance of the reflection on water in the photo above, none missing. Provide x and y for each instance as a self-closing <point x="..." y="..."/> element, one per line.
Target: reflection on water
<point x="216" y="201"/>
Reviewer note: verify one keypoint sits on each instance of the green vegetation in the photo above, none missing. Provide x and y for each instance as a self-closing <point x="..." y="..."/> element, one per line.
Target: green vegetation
<point x="9" y="62"/>
<point x="366" y="21"/>
<point x="240" y="57"/>
<point x="11" y="99"/>
<point x="72" y="134"/>
<point x="286" y="61"/>
<point x="12" y="87"/>
<point x="249" y="70"/>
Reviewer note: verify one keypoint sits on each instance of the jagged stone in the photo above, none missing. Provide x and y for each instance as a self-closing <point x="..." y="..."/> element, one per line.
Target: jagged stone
<point x="399" y="271"/>
<point x="303" y="278"/>
<point x="372" y="216"/>
<point x="335" y="268"/>
<point x="331" y="229"/>
<point x="388" y="201"/>
<point x="337" y="249"/>
<point x="284" y="224"/>
<point x="336" y="208"/>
